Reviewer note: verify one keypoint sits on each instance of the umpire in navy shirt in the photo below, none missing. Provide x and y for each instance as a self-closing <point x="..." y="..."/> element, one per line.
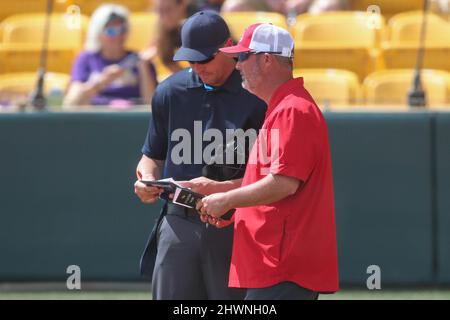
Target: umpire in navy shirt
<point x="185" y="258"/>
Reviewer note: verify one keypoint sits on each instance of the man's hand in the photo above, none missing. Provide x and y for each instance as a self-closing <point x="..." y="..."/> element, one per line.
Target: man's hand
<point x="215" y="205"/>
<point x="202" y="185"/>
<point x="145" y="193"/>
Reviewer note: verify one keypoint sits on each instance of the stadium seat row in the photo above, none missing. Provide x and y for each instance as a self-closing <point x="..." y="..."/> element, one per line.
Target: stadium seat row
<point x="364" y="44"/>
<point x="387" y="8"/>
<point x="86" y="7"/>
<point x="352" y="41"/>
<point x="331" y="88"/>
<point x="340" y="88"/>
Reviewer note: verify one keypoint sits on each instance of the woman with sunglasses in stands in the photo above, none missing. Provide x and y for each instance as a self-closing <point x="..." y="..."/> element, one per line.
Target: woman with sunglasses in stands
<point x="106" y="73"/>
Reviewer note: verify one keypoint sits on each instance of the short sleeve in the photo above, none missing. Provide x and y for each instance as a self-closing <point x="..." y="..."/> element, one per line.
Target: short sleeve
<point x="155" y="145"/>
<point x="296" y="135"/>
<point x="80" y="69"/>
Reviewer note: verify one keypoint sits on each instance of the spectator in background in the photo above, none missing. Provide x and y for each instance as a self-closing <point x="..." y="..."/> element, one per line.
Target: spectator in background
<point x="315" y="6"/>
<point x="214" y="5"/>
<point x="171" y="15"/>
<point x="440" y="6"/>
<point x="285" y="6"/>
<point x="254" y="5"/>
<point x="106" y="73"/>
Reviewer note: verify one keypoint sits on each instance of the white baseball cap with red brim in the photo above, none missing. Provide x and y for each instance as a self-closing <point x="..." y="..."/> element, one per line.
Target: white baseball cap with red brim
<point x="264" y="37"/>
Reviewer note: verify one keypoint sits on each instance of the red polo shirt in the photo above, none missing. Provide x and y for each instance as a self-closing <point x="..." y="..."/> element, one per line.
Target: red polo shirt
<point x="293" y="239"/>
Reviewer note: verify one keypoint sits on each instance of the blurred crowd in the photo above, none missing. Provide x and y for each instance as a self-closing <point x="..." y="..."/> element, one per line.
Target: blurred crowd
<point x="107" y="73"/>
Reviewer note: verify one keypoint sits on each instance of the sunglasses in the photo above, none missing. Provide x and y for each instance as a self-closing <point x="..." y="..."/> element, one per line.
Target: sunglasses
<point x="115" y="31"/>
<point x="205" y="61"/>
<point x="242" y="56"/>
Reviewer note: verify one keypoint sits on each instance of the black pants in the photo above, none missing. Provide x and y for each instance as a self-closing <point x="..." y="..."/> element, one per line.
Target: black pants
<point x="281" y="291"/>
<point x="192" y="260"/>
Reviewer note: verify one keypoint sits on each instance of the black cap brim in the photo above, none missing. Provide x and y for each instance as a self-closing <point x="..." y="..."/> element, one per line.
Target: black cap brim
<point x="187" y="54"/>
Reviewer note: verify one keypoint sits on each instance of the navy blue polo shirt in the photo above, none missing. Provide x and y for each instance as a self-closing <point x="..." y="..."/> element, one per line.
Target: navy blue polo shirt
<point x="183" y="103"/>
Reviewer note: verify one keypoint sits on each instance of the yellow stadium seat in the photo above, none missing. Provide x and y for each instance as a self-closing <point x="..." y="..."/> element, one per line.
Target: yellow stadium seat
<point x="9" y="8"/>
<point x="388" y="8"/>
<point x="338" y="40"/>
<point x="161" y="70"/>
<point x="404" y="28"/>
<point x="25" y="58"/>
<point x="400" y="51"/>
<point x="29" y="29"/>
<point x="143" y="30"/>
<point x="392" y="86"/>
<point x="89" y="6"/>
<point x="23" y="36"/>
<point x="331" y="87"/>
<point x="239" y="21"/>
<point x="15" y="85"/>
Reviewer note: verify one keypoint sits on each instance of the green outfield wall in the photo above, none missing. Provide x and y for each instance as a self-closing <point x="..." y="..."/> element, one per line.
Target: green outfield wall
<point x="66" y="196"/>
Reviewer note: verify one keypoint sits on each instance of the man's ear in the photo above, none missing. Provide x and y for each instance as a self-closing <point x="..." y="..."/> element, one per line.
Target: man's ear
<point x="269" y="59"/>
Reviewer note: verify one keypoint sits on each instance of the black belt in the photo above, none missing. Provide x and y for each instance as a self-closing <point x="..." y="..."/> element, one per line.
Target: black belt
<point x="175" y="209"/>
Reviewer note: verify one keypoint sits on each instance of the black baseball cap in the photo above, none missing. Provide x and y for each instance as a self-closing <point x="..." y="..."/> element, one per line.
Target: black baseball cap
<point x="201" y="36"/>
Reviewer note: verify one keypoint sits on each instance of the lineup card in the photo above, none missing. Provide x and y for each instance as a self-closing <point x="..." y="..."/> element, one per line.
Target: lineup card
<point x="168" y="185"/>
<point x="186" y="198"/>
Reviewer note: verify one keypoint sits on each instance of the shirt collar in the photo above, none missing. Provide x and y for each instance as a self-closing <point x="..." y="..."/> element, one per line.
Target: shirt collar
<point x="233" y="84"/>
<point x="282" y="91"/>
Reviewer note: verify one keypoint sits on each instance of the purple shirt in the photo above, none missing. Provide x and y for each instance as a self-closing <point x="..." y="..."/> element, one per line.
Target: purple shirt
<point x="89" y="65"/>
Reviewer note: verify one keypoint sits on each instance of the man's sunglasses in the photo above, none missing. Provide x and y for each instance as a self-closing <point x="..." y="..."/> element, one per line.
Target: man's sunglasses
<point x="205" y="61"/>
<point x="245" y="55"/>
<point x="115" y="31"/>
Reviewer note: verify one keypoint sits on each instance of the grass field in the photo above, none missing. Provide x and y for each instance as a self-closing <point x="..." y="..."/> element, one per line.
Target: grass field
<point x="423" y="294"/>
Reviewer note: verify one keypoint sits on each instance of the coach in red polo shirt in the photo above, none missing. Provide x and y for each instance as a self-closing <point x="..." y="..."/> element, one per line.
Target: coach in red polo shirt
<point x="285" y="235"/>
